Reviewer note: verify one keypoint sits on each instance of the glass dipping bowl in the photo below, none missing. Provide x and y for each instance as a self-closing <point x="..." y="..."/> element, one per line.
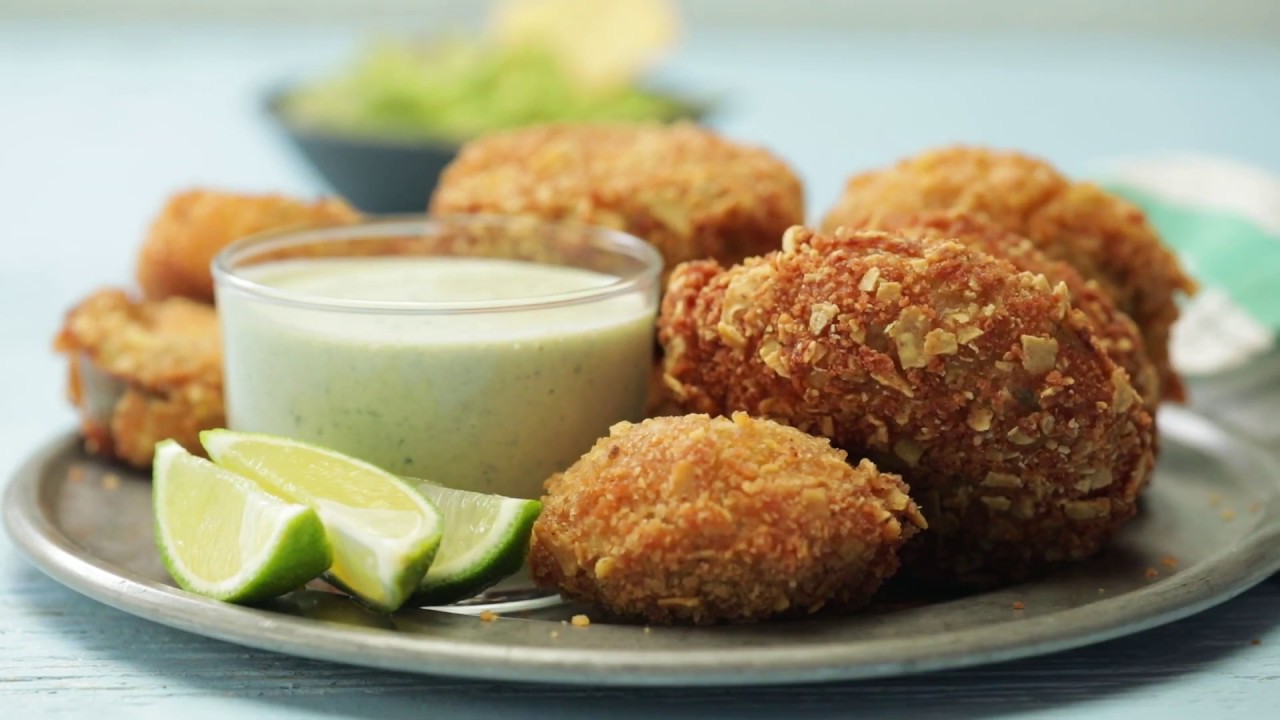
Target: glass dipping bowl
<point x="480" y="352"/>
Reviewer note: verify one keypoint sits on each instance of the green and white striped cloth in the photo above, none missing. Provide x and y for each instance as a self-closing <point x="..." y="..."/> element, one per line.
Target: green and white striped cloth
<point x="1223" y="219"/>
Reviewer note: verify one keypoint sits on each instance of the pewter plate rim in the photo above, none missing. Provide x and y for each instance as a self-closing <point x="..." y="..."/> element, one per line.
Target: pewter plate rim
<point x="1215" y="579"/>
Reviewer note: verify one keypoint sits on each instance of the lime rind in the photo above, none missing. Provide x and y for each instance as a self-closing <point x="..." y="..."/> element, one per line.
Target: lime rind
<point x="293" y="554"/>
<point x="404" y="566"/>
<point x="380" y="570"/>
<point x="471" y="560"/>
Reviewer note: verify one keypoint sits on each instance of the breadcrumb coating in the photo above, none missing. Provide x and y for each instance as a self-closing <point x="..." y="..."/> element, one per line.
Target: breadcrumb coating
<point x="196" y="225"/>
<point x="659" y="402"/>
<point x="686" y="190"/>
<point x="142" y="371"/>
<point x="702" y="520"/>
<point x="1117" y="333"/>
<point x="1105" y="238"/>
<point x="1024" y="443"/>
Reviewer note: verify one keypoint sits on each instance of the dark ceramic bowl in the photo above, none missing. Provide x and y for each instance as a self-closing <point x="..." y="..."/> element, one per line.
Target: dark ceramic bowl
<point x="386" y="175"/>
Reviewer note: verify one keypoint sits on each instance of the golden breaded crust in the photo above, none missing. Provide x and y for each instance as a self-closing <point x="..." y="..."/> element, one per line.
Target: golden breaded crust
<point x="694" y="519"/>
<point x="1117" y="332"/>
<point x="196" y="225"/>
<point x="1105" y="238"/>
<point x="686" y="190"/>
<point x="659" y="402"/>
<point x="1024" y="443"/>
<point x="142" y="371"/>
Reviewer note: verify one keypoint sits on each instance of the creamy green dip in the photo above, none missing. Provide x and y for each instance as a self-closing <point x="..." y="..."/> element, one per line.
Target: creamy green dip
<point x="493" y="402"/>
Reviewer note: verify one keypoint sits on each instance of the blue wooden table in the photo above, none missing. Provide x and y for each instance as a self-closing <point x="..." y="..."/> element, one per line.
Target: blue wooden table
<point x="98" y="125"/>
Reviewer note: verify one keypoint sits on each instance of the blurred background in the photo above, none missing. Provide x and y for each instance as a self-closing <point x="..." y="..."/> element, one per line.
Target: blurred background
<point x="1255" y="17"/>
<point x="172" y="92"/>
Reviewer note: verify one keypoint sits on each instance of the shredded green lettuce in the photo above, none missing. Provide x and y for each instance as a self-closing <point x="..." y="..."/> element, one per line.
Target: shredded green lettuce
<point x="456" y="89"/>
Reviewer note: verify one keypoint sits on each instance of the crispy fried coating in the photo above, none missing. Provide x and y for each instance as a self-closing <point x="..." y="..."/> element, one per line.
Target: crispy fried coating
<point x="1105" y="238"/>
<point x="142" y="371"/>
<point x="1024" y="443"/>
<point x="659" y="401"/>
<point x="196" y="225"/>
<point x="686" y="190"/>
<point x="1117" y="333"/>
<point x="701" y="520"/>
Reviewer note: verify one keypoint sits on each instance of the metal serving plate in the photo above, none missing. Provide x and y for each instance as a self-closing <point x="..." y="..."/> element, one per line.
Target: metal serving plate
<point x="1209" y="529"/>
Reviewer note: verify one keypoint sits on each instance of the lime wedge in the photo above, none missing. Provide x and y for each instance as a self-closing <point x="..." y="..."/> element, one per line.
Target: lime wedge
<point x="486" y="538"/>
<point x="383" y="533"/>
<point x="223" y="536"/>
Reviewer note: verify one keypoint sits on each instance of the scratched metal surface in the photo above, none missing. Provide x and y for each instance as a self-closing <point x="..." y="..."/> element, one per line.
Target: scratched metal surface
<point x="1206" y="532"/>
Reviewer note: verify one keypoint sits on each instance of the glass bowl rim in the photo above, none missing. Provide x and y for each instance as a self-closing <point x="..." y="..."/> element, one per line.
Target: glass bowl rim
<point x="616" y="242"/>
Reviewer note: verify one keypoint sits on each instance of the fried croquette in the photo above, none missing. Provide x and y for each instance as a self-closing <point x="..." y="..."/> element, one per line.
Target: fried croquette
<point x="1105" y="238"/>
<point x="659" y="402"/>
<point x="701" y="520"/>
<point x="142" y="371"/>
<point x="1119" y="336"/>
<point x="1023" y="442"/>
<point x="684" y="189"/>
<point x="196" y="225"/>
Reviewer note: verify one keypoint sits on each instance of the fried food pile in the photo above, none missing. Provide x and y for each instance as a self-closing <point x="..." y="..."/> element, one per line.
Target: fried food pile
<point x="701" y="520"/>
<point x="149" y="368"/>
<point x="985" y="386"/>
<point x="956" y="375"/>
<point x="1002" y="345"/>
<point x="1105" y="238"/>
